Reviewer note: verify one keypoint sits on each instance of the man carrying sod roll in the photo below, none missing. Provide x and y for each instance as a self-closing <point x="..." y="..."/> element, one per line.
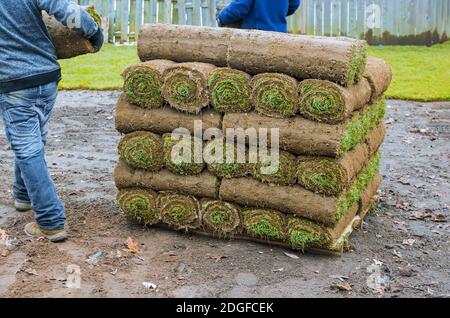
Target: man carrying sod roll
<point x="29" y="76"/>
<point x="266" y="15"/>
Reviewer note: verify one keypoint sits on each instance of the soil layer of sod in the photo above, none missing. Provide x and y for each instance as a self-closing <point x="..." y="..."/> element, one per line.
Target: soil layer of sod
<point x="179" y="155"/>
<point x="221" y="218"/>
<point x="230" y="90"/>
<point x="129" y="118"/>
<point x="301" y="136"/>
<point x="142" y="150"/>
<point x="181" y="212"/>
<point x="185" y="86"/>
<point x="297" y="200"/>
<point x="143" y="82"/>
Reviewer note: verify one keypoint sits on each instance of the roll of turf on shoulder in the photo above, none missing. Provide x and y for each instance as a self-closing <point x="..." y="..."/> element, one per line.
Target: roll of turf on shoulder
<point x="181" y="212"/>
<point x="275" y="95"/>
<point x="139" y="205"/>
<point x="297" y="200"/>
<point x="230" y="90"/>
<point x="129" y="118"/>
<point x="327" y="102"/>
<point x="202" y="185"/>
<point x="301" y="136"/>
<point x="69" y="42"/>
<point x="230" y="165"/>
<point x="379" y="74"/>
<point x="304" y="234"/>
<point x="282" y="172"/>
<point x="265" y="224"/>
<point x="221" y="218"/>
<point x="185" y="86"/>
<point x="142" y="150"/>
<point x="179" y="155"/>
<point x="184" y="43"/>
<point x="143" y="82"/>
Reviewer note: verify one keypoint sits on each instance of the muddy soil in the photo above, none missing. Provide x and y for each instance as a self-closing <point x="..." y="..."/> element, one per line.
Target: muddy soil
<point x="402" y="251"/>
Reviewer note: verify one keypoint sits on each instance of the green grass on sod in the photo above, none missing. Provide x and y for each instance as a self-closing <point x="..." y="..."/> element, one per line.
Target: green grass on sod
<point x="420" y="73"/>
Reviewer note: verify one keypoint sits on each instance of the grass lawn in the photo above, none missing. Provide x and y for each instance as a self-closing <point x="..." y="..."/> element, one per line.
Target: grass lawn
<point x="420" y="73"/>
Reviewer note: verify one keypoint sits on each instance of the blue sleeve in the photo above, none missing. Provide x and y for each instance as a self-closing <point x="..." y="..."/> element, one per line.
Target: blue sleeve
<point x="236" y="11"/>
<point x="70" y="14"/>
<point x="293" y="6"/>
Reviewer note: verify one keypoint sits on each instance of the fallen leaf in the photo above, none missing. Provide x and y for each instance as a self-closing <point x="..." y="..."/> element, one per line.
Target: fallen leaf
<point x="3" y="236"/>
<point x="409" y="242"/>
<point x="291" y="255"/>
<point x="440" y="218"/>
<point x="132" y="246"/>
<point x="343" y="286"/>
<point x="217" y="258"/>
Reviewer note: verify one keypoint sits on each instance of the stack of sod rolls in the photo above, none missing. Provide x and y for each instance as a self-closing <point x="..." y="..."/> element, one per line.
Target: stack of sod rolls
<point x="323" y="95"/>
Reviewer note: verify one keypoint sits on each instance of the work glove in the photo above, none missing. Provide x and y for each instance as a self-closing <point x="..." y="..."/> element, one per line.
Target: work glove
<point x="97" y="40"/>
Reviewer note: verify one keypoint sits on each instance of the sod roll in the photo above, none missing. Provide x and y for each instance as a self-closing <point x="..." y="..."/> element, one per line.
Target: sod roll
<point x="265" y="224"/>
<point x="142" y="150"/>
<point x="221" y="218"/>
<point x="181" y="212"/>
<point x="179" y="155"/>
<point x="143" y="82"/>
<point x="230" y="90"/>
<point x="139" y="205"/>
<point x="299" y="56"/>
<point x="379" y="74"/>
<point x="202" y="185"/>
<point x="255" y="52"/>
<point x="275" y="95"/>
<point x="185" y="86"/>
<point x="369" y="196"/>
<point x="181" y="43"/>
<point x="332" y="176"/>
<point x="129" y="118"/>
<point x="304" y="137"/>
<point x="330" y="103"/>
<point x="69" y="42"/>
<point x="228" y="164"/>
<point x="284" y="174"/>
<point x="297" y="200"/>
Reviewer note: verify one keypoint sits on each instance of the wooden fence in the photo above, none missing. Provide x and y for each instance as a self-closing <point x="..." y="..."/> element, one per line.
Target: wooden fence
<point x="377" y="21"/>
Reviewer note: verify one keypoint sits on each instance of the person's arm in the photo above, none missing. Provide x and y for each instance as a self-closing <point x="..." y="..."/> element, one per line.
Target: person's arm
<point x="235" y="12"/>
<point x="73" y="16"/>
<point x="293" y="6"/>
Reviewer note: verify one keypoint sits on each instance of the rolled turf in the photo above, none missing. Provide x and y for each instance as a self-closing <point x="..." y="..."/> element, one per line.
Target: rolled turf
<point x="143" y="82"/>
<point x="301" y="136"/>
<point x="297" y="200"/>
<point x="230" y="90"/>
<point x="181" y="212"/>
<point x="369" y="197"/>
<point x="327" y="102"/>
<point x="332" y="176"/>
<point x="284" y="175"/>
<point x="221" y="218"/>
<point x="69" y="42"/>
<point x="256" y="52"/>
<point x="202" y="185"/>
<point x="129" y="118"/>
<point x="185" y="86"/>
<point x="139" y="205"/>
<point x="142" y="150"/>
<point x="181" y="162"/>
<point x="265" y="224"/>
<point x="275" y="95"/>
<point x="230" y="167"/>
<point x="379" y="74"/>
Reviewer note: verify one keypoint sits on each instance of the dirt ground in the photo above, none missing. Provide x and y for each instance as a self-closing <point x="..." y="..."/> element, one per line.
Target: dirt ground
<point x="403" y="250"/>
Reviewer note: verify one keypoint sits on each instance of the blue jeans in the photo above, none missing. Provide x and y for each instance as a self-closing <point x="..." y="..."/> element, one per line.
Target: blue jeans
<point x="25" y="116"/>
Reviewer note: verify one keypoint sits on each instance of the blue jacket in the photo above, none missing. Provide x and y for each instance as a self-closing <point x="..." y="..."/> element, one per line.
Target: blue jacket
<point x="267" y="15"/>
<point x="27" y="54"/>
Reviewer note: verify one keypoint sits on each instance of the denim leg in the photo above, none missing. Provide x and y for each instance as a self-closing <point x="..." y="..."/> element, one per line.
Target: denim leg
<point x="26" y="114"/>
